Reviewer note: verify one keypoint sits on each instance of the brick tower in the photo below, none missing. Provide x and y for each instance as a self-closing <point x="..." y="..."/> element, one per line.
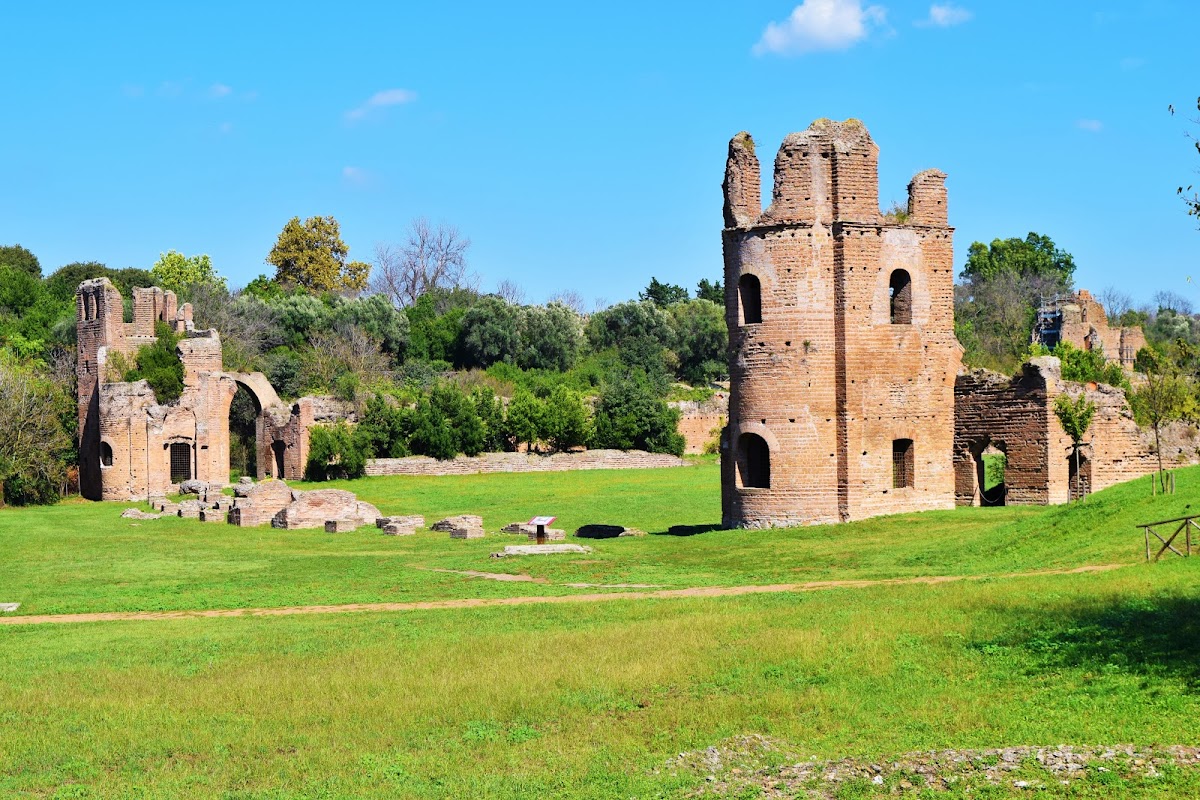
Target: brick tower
<point x="842" y="354"/>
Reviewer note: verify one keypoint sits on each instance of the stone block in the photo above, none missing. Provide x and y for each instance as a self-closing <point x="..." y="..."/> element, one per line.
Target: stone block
<point x="540" y="550"/>
<point x="137" y="513"/>
<point x="398" y="529"/>
<point x="552" y="534"/>
<point x="170" y="509"/>
<point x="339" y="526"/>
<point x="313" y="509"/>
<point x="463" y="526"/>
<point x="213" y="515"/>
<point x="409" y="520"/>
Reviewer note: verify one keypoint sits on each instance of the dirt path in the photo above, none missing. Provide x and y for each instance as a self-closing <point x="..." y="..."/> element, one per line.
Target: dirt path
<point x="699" y="591"/>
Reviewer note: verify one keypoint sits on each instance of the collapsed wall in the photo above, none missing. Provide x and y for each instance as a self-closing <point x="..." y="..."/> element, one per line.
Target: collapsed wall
<point x="1015" y="416"/>
<point x="131" y="447"/>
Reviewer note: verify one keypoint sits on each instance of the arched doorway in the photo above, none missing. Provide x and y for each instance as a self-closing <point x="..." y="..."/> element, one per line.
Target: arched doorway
<point x="244" y="412"/>
<point x="279" y="450"/>
<point x="753" y="461"/>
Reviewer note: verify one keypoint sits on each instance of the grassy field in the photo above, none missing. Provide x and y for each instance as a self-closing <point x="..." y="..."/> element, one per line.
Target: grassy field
<point x="585" y="700"/>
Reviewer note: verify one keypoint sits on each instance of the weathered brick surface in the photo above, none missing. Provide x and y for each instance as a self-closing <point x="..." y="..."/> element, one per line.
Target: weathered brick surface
<point x="1016" y="416"/>
<point x="124" y="423"/>
<point x="313" y="509"/>
<point x="1085" y="325"/>
<point x="826" y="379"/>
<point x="521" y="462"/>
<point x="701" y="423"/>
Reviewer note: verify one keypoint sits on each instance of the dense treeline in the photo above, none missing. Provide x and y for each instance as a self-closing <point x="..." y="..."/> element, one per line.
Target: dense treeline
<point x="431" y="365"/>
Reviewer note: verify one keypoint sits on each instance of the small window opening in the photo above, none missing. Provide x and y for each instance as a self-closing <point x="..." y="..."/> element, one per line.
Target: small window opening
<point x="181" y="462"/>
<point x="105" y="454"/>
<point x="900" y="295"/>
<point x="750" y="293"/>
<point x="903" y="464"/>
<point x="754" y="461"/>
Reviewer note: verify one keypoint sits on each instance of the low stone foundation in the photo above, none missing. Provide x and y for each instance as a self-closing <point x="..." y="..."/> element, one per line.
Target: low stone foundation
<point x="522" y="462"/>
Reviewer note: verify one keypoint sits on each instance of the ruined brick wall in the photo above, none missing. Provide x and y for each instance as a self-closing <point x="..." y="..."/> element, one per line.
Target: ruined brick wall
<point x="701" y="423"/>
<point x="824" y="383"/>
<point x="1016" y="415"/>
<point x="1085" y="325"/>
<point x="126" y="436"/>
<point x="522" y="462"/>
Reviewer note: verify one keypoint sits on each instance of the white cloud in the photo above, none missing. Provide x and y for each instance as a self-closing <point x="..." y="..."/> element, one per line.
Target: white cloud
<point x="945" y="15"/>
<point x="388" y="97"/>
<point x="219" y="90"/>
<point x="820" y="25"/>
<point x="356" y="176"/>
<point x="1090" y="125"/>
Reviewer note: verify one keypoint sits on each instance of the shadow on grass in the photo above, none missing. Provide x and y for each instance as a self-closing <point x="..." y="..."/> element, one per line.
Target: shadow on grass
<point x="1149" y="637"/>
<point x="686" y="530"/>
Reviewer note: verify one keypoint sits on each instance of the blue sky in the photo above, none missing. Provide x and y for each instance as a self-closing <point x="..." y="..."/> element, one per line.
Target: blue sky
<point x="582" y="146"/>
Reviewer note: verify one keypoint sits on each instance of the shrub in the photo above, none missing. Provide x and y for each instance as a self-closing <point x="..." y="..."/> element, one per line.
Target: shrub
<point x="159" y="365"/>
<point x="630" y="414"/>
<point x="335" y="451"/>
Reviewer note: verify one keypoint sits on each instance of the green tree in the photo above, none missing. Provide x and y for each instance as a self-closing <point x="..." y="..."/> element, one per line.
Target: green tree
<point x="311" y="255"/>
<point x="663" y="294"/>
<point x="490" y="333"/>
<point x="1166" y="394"/>
<point x="490" y="411"/>
<point x="551" y="336"/>
<point x="564" y="422"/>
<point x="64" y="281"/>
<point x="334" y="451"/>
<point x="713" y="291"/>
<point x="630" y="414"/>
<point x="432" y="434"/>
<point x="523" y="421"/>
<point x="640" y="332"/>
<point x="1035" y="256"/>
<point x="377" y="317"/>
<point x="179" y="273"/>
<point x="159" y="365"/>
<point x="21" y="258"/>
<point x="1075" y="416"/>
<point x="701" y="340"/>
<point x="1088" y="366"/>
<point x="35" y="444"/>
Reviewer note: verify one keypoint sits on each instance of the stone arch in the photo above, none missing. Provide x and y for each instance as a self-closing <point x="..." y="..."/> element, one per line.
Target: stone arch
<point x="900" y="297"/>
<point x="749" y="299"/>
<point x="753" y="458"/>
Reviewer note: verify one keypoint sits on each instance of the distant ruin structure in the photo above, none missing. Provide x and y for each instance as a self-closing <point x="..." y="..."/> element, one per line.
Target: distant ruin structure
<point x="842" y="355"/>
<point x="1080" y="320"/>
<point x="131" y="447"/>
<point x="1014" y="417"/>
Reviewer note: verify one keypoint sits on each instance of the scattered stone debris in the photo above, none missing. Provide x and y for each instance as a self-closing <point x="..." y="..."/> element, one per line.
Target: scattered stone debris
<point x="464" y="526"/>
<point x="245" y="480"/>
<point x="400" y="526"/>
<point x="9" y="607"/>
<point x="743" y="764"/>
<point x="190" y="509"/>
<point x="258" y="504"/>
<point x="195" y="487"/>
<point x="607" y="532"/>
<point x="214" y="514"/>
<point x="540" y="550"/>
<point x="316" y="508"/>
<point x="137" y="513"/>
<point x="518" y="527"/>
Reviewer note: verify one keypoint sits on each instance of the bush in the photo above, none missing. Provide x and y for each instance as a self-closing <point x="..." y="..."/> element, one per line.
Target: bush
<point x="335" y="451"/>
<point x="564" y="420"/>
<point x="630" y="414"/>
<point x="158" y="364"/>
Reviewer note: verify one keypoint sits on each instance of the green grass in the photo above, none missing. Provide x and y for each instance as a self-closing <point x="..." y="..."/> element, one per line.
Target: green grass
<point x="582" y="700"/>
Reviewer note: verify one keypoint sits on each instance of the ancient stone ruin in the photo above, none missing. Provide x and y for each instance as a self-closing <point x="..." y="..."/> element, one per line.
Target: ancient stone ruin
<point x="1080" y="320"/>
<point x="845" y="395"/>
<point x="842" y="354"/>
<point x="131" y="447"/>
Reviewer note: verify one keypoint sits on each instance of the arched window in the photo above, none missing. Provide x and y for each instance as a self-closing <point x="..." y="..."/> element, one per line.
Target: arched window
<point x="903" y="464"/>
<point x="900" y="293"/>
<point x="181" y="462"/>
<point x="754" y="461"/>
<point x="105" y="454"/>
<point x="750" y="295"/>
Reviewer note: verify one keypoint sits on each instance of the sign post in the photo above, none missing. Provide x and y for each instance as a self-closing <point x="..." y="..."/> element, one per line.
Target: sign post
<point x="541" y="523"/>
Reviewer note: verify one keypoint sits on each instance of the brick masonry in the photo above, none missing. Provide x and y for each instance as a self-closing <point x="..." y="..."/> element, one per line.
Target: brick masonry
<point x="1016" y="416"/>
<point x="127" y="438"/>
<point x="1085" y="325"/>
<point x="827" y="382"/>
